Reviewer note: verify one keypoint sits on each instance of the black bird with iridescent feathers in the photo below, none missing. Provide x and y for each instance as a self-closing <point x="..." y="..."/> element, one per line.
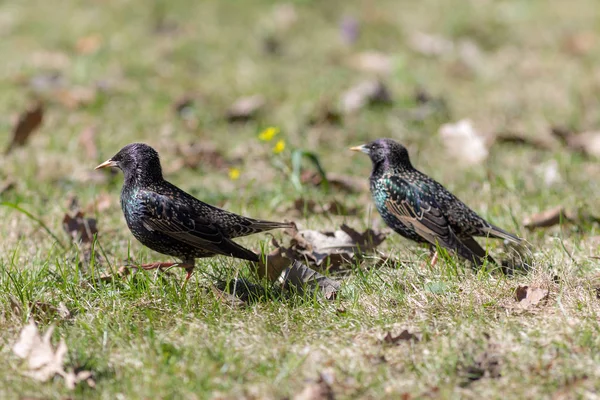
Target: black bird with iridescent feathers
<point x="172" y="222"/>
<point x="421" y="209"/>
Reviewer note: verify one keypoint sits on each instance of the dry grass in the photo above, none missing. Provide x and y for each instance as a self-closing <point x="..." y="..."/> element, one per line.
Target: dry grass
<point x="146" y="338"/>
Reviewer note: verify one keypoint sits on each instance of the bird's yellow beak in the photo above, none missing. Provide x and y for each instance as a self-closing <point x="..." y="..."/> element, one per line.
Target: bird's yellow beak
<point x="106" y="164"/>
<point x="362" y="148"/>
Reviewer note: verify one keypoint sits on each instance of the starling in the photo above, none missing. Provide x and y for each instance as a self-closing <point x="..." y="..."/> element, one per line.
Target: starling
<point x="172" y="222"/>
<point x="421" y="209"/>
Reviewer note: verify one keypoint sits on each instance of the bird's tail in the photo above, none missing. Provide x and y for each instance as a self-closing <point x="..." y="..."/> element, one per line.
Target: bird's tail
<point x="257" y="225"/>
<point x="499" y="233"/>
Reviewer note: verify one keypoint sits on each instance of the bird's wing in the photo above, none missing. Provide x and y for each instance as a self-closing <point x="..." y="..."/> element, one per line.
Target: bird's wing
<point x="416" y="207"/>
<point x="179" y="221"/>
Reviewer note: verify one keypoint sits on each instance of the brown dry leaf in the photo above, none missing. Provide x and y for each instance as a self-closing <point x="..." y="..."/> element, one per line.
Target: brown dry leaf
<point x="42" y="309"/>
<point x="203" y="153"/>
<point x="465" y="144"/>
<point x="325" y="113"/>
<point x="587" y="143"/>
<point x="405" y="336"/>
<point x="364" y="94"/>
<point x="227" y="298"/>
<point x="245" y="108"/>
<point x="372" y="61"/>
<point x="333" y="207"/>
<point x="486" y="364"/>
<point x="520" y="139"/>
<point x="7" y="185"/>
<point x="87" y="140"/>
<point x="108" y="277"/>
<point x="297" y="274"/>
<point x="88" y="44"/>
<point x="529" y="296"/>
<point x="76" y="96"/>
<point x="430" y="44"/>
<point x="43" y="362"/>
<point x="284" y="16"/>
<point x="300" y="276"/>
<point x="319" y="390"/>
<point x="332" y="248"/>
<point x="29" y="121"/>
<point x="346" y="183"/>
<point x="80" y="229"/>
<point x="545" y="218"/>
<point x="580" y="43"/>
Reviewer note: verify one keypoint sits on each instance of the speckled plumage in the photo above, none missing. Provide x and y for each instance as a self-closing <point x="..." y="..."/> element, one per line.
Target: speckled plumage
<point x="421" y="209"/>
<point x="172" y="222"/>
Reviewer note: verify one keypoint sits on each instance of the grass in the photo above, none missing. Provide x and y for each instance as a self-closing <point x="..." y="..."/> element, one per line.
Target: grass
<point x="145" y="337"/>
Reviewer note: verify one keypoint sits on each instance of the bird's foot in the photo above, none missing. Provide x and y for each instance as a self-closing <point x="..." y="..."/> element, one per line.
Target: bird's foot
<point x="189" y="269"/>
<point x="158" y="265"/>
<point x="434" y="259"/>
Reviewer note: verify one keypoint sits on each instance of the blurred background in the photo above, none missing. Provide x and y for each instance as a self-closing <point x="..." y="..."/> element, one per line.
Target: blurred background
<point x="480" y="92"/>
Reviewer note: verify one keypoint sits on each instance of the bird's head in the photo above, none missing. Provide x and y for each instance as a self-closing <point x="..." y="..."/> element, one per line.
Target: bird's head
<point x="136" y="160"/>
<point x="386" y="151"/>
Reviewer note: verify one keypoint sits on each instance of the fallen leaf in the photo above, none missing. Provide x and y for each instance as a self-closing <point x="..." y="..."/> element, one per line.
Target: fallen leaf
<point x="319" y="390"/>
<point x="297" y="275"/>
<point x="587" y="143"/>
<point x="517" y="138"/>
<point x="464" y="143"/>
<point x="300" y="276"/>
<point x="7" y="185"/>
<point x="325" y="113"/>
<point x="245" y="108"/>
<point x="79" y="228"/>
<point x="88" y="44"/>
<point x="430" y="45"/>
<point x="76" y="96"/>
<point x="228" y="299"/>
<point x="371" y="61"/>
<point x="333" y="207"/>
<point x="530" y="296"/>
<point x="285" y="16"/>
<point x="201" y="153"/>
<point x="346" y="183"/>
<point x="40" y="309"/>
<point x="545" y="218"/>
<point x="580" y="43"/>
<point x="486" y="364"/>
<point x="366" y="93"/>
<point x="29" y="121"/>
<point x="332" y="249"/>
<point x="43" y="362"/>
<point x="405" y="336"/>
<point x="87" y="140"/>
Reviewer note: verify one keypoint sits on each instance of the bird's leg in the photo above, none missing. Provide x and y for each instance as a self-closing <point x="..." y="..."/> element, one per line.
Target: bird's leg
<point x="434" y="258"/>
<point x="188" y="265"/>
<point x="156" y="265"/>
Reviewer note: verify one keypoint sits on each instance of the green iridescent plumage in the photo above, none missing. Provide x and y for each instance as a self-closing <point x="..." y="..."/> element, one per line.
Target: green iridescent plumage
<point x="421" y="209"/>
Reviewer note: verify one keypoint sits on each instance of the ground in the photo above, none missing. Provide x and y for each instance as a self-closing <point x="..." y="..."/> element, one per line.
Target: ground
<point x="115" y="71"/>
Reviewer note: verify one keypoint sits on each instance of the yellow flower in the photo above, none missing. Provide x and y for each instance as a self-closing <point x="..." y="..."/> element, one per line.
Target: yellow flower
<point x="268" y="134"/>
<point x="279" y="146"/>
<point x="234" y="174"/>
